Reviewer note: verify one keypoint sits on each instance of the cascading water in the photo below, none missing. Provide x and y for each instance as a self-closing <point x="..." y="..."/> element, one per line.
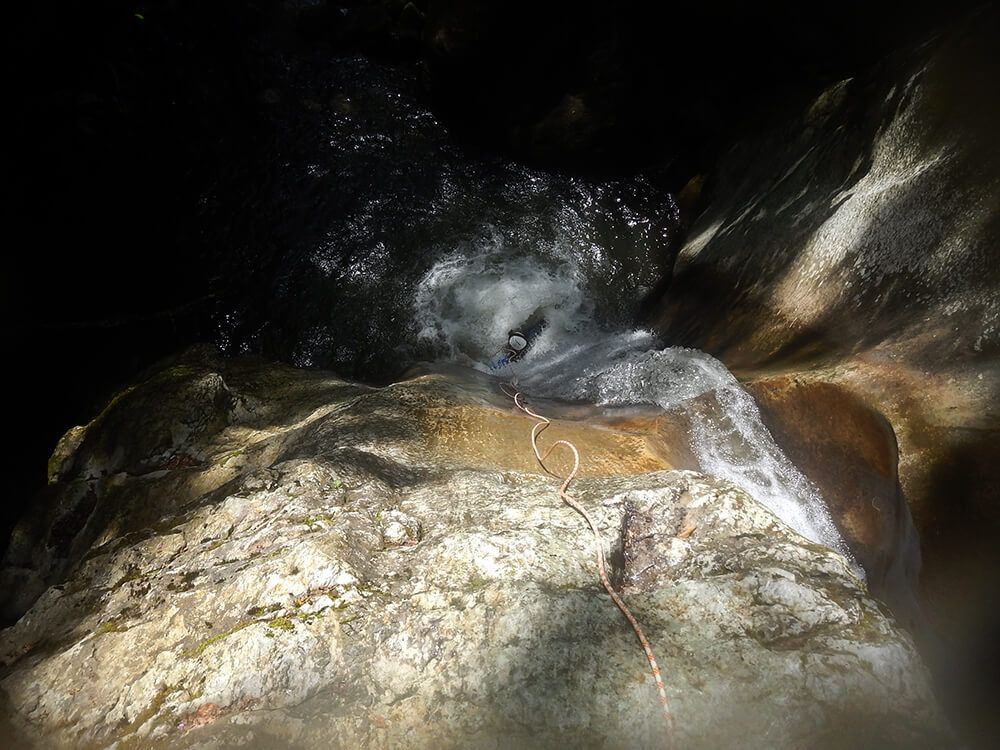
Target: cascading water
<point x="468" y="302"/>
<point x="416" y="249"/>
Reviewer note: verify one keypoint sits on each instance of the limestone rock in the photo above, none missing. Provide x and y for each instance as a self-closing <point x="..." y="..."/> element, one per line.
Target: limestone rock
<point x="326" y="575"/>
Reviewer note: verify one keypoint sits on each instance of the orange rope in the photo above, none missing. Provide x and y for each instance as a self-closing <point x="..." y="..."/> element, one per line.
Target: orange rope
<point x="538" y="428"/>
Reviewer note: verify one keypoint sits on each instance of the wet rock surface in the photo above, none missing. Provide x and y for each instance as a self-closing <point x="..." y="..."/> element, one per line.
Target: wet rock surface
<point x="850" y="451"/>
<point x="276" y="556"/>
<point x="867" y="221"/>
<point x="852" y="251"/>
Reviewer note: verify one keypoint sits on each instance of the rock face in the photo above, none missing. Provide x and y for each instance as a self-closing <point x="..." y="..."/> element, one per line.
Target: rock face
<point x="236" y="554"/>
<point x="870" y="221"/>
<point x="850" y="451"/>
<point x="854" y="250"/>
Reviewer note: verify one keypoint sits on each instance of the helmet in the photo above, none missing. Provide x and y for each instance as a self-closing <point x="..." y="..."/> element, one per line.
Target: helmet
<point x="516" y="341"/>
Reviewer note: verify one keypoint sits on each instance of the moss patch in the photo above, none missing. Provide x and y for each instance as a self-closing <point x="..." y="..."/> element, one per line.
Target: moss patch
<point x="132" y="573"/>
<point x="110" y="626"/>
<point x="477" y="582"/>
<point x="199" y="648"/>
<point x="315" y="519"/>
<point x="127" y="743"/>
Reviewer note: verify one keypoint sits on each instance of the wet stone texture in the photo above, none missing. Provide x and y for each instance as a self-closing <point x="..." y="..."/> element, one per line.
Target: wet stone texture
<point x="244" y="555"/>
<point x="846" y="262"/>
<point x="855" y="245"/>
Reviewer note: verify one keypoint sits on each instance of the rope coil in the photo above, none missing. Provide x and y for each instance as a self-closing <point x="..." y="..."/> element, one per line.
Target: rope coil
<point x="537" y="429"/>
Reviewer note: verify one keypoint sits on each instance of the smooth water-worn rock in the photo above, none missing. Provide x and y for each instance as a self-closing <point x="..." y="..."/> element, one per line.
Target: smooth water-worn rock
<point x="850" y="451"/>
<point x="237" y="554"/>
<point x="855" y="246"/>
<point x="869" y="220"/>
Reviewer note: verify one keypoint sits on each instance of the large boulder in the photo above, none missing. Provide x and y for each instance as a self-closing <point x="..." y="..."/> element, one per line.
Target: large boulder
<point x="315" y="563"/>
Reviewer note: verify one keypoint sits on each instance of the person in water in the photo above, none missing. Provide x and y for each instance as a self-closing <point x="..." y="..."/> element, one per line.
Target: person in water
<point x="519" y="340"/>
<point x="517" y="343"/>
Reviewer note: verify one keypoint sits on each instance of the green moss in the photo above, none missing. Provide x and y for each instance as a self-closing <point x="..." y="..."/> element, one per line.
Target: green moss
<point x="110" y="626"/>
<point x="281" y="623"/>
<point x="186" y="582"/>
<point x="869" y="627"/>
<point x="477" y="582"/>
<point x="132" y="573"/>
<point x="177" y="371"/>
<point x="225" y="457"/>
<point x="67" y="446"/>
<point x="200" y="647"/>
<point x="257" y="611"/>
<point x="316" y="518"/>
<point x="116" y="399"/>
<point x="566" y="586"/>
<point x="127" y="743"/>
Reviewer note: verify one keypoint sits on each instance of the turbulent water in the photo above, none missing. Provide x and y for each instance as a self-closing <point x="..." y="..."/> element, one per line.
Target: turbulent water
<point x="467" y="302"/>
<point x="413" y="248"/>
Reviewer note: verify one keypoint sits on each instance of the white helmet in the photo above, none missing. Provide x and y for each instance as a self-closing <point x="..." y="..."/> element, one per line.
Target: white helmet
<point x="517" y="342"/>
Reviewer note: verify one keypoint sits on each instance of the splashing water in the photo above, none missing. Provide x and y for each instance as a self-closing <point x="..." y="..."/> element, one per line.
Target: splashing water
<point x="469" y="300"/>
<point x="467" y="303"/>
<point x="728" y="437"/>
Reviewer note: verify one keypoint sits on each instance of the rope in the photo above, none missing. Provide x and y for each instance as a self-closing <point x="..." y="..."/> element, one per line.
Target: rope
<point x="539" y="427"/>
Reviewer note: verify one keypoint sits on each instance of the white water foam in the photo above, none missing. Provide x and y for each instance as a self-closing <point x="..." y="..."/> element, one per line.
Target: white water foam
<point x="728" y="436"/>
<point x="469" y="300"/>
<point x="466" y="304"/>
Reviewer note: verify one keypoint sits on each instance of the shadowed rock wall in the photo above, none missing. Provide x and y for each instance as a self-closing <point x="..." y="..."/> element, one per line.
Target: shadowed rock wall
<point x="857" y="247"/>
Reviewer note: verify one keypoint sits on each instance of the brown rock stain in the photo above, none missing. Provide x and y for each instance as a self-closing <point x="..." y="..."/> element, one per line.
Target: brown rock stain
<point x="488" y="437"/>
<point x="842" y="445"/>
